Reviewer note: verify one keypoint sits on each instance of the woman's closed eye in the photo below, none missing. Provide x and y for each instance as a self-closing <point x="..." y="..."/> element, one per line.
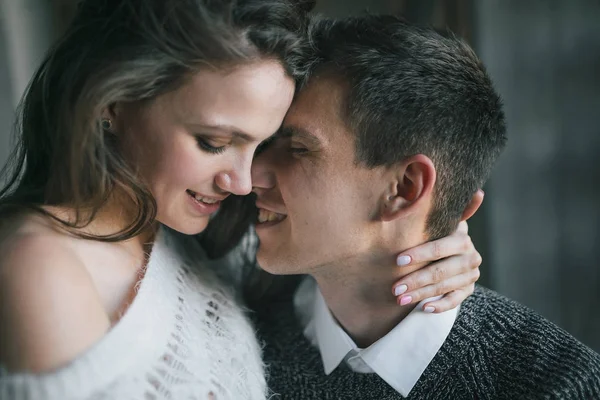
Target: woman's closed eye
<point x="206" y="146"/>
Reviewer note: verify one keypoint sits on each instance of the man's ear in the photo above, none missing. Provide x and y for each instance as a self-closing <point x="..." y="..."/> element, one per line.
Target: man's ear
<point x="411" y="186"/>
<point x="473" y="205"/>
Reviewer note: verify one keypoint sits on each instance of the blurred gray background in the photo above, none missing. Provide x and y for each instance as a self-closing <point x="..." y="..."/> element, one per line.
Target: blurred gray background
<point x="539" y="227"/>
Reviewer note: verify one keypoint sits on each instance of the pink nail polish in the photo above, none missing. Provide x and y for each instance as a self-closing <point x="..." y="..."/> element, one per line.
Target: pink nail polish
<point x="403" y="260"/>
<point x="400" y="289"/>
<point x="404" y="300"/>
<point x="429" y="309"/>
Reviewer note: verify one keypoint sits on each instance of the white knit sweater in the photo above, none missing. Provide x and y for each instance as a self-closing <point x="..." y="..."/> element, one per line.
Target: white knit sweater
<point x="183" y="337"/>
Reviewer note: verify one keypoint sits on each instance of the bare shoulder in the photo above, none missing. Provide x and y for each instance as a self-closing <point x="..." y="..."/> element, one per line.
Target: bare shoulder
<point x="50" y="311"/>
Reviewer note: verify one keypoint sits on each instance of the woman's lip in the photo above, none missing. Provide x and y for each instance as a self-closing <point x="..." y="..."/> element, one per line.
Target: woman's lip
<point x="203" y="208"/>
<point x="190" y="191"/>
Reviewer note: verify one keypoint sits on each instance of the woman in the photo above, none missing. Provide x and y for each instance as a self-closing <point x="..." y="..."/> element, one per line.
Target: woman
<point x="139" y="123"/>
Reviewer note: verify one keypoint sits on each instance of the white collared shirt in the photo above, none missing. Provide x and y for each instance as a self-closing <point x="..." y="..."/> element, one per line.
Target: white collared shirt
<point x="399" y="358"/>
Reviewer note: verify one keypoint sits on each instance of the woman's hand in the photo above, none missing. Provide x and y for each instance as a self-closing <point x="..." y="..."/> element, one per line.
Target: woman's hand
<point x="452" y="272"/>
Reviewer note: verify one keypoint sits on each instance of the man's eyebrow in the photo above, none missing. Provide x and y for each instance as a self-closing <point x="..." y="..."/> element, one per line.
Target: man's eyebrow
<point x="289" y="131"/>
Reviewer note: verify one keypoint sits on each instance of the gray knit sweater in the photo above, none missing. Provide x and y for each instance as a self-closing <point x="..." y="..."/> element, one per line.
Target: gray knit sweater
<point x="497" y="349"/>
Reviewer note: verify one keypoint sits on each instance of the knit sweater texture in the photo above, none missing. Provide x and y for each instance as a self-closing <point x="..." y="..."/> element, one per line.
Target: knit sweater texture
<point x="497" y="349"/>
<point x="183" y="337"/>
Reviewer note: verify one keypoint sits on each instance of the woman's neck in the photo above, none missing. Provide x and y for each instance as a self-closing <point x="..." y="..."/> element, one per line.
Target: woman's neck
<point x="116" y="215"/>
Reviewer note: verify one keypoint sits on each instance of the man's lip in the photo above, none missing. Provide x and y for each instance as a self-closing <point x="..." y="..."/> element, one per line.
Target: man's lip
<point x="269" y="208"/>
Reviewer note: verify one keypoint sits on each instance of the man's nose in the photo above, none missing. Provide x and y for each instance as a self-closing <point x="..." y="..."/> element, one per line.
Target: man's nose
<point x="263" y="177"/>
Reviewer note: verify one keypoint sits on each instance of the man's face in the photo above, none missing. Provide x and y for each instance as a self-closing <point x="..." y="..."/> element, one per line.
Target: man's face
<point x="318" y="204"/>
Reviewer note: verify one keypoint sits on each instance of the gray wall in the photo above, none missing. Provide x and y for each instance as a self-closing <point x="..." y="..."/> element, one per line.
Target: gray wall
<point x="6" y="99"/>
<point x="26" y="31"/>
<point x="544" y="211"/>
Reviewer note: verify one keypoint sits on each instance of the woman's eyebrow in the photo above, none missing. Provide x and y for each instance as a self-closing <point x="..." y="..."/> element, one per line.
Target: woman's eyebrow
<point x="235" y="132"/>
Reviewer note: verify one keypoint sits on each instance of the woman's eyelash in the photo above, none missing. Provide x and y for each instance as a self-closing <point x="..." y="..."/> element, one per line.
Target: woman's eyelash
<point x="204" y="145"/>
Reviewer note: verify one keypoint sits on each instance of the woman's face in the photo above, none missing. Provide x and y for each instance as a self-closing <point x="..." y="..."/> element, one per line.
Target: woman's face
<point x="194" y="146"/>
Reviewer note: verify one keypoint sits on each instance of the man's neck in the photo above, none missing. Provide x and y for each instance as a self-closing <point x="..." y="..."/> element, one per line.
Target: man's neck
<point x="360" y="298"/>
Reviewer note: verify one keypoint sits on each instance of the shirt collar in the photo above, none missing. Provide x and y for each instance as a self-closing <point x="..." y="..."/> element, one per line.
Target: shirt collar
<point x="332" y="341"/>
<point x="399" y="358"/>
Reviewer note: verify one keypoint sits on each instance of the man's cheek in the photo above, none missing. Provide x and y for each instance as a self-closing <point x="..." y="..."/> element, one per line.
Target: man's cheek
<point x="311" y="178"/>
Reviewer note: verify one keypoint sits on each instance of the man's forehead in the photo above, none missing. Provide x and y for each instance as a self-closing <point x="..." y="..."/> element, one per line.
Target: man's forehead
<point x="317" y="109"/>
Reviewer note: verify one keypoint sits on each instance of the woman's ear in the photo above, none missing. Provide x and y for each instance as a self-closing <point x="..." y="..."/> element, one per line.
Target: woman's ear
<point x="473" y="205"/>
<point x="111" y="118"/>
<point x="107" y="119"/>
<point x="411" y="187"/>
<point x="110" y="112"/>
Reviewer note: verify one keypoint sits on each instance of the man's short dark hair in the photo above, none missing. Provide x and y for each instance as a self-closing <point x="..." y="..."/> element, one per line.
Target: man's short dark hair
<point x="413" y="90"/>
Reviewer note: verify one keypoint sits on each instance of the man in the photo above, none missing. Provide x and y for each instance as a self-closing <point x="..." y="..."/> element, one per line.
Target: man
<point x="391" y="137"/>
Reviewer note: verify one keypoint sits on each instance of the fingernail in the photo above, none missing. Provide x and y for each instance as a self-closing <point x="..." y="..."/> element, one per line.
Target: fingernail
<point x="403" y="260"/>
<point x="400" y="289"/>
<point x="429" y="309"/>
<point x="405" y="300"/>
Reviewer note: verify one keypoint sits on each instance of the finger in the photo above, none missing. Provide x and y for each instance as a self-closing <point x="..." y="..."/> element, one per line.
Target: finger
<point x="449" y="301"/>
<point x="435" y="273"/>
<point x="463" y="228"/>
<point x="459" y="282"/>
<point x="457" y="243"/>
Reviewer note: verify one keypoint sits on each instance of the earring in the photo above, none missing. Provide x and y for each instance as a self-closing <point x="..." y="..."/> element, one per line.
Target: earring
<point x="106" y="124"/>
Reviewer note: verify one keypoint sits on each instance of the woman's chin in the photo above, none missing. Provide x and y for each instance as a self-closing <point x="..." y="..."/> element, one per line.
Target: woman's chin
<point x="187" y="226"/>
